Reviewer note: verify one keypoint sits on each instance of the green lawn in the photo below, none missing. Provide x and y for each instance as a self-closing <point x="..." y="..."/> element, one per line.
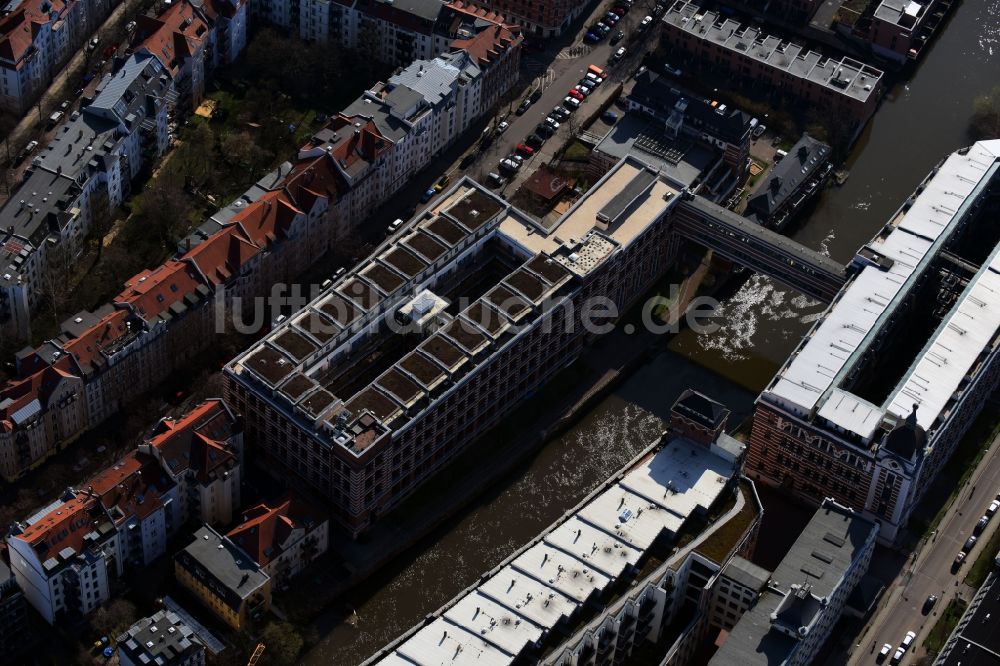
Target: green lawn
<point x="984" y="563"/>
<point x="939" y="634"/>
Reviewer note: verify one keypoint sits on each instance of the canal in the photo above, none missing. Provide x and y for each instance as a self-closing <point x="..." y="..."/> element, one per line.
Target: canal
<point x="919" y="122"/>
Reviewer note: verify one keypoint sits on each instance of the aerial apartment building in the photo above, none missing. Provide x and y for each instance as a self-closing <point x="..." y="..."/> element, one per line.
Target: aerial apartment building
<point x="785" y="71"/>
<point x="608" y="576"/>
<point x="37" y="37"/>
<point x="805" y="595"/>
<point x="489" y="301"/>
<point x="234" y="574"/>
<point x="67" y="556"/>
<point x="84" y="172"/>
<point x="541" y="18"/>
<point x="878" y="394"/>
<point x="396" y="33"/>
<point x="897" y="30"/>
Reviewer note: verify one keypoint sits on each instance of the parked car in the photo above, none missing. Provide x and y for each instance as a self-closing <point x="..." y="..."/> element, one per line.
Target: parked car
<point x="523" y="107"/>
<point x="646" y="22"/>
<point x="758" y="131"/>
<point x="467" y="161"/>
<point x="525" y="149"/>
<point x="929" y="604"/>
<point x="621" y="10"/>
<point x="619" y="54"/>
<point x="92" y="45"/>
<point x="55" y="118"/>
<point x="659" y="9"/>
<point x="908" y="640"/>
<point x="591" y="37"/>
<point x="544" y="131"/>
<point x="509" y="165"/>
<point x="603" y="28"/>
<point x="577" y="95"/>
<point x="30" y="148"/>
<point x="551" y="122"/>
<point x="571" y="103"/>
<point x="585" y="89"/>
<point x="495" y="179"/>
<point x="397" y="223"/>
<point x="594" y="79"/>
<point x="559" y="113"/>
<point x="883" y="653"/>
<point x="535" y="141"/>
<point x="502" y="127"/>
<point x="428" y="195"/>
<point x="517" y="158"/>
<point x="970" y="543"/>
<point x="959" y="559"/>
<point x="994" y="505"/>
<point x="340" y="271"/>
<point x="535" y="95"/>
<point x="610" y="117"/>
<point x="611" y="18"/>
<point x="442" y="182"/>
<point x="898" y="657"/>
<point x="981" y="525"/>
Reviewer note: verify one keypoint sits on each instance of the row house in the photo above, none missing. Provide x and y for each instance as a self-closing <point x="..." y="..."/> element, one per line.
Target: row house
<point x="83" y="173"/>
<point x="36" y="38"/>
<point x="394" y="33"/>
<point x="202" y="452"/>
<point x="282" y="539"/>
<point x="786" y="72"/>
<point x="68" y="555"/>
<point x="541" y="18"/>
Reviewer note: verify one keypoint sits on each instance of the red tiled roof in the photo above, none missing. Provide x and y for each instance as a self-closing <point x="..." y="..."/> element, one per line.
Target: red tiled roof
<point x="135" y="485"/>
<point x="151" y="292"/>
<point x="267" y="219"/>
<point x="86" y="348"/>
<point x="314" y="178"/>
<point x="196" y="440"/>
<point x="265" y="531"/>
<point x="176" y="34"/>
<point x="222" y="255"/>
<point x="64" y="526"/>
<point x="20" y="28"/>
<point x="37" y="386"/>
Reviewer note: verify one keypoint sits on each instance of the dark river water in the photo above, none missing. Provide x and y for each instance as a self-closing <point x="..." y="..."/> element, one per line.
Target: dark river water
<point x="918" y="123"/>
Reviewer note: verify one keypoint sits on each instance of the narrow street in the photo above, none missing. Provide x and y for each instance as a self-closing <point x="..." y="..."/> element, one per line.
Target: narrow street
<point x="900" y="609"/>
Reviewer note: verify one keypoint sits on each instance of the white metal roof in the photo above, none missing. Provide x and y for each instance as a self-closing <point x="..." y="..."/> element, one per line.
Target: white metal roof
<point x="631" y="518"/>
<point x="846" y="324"/>
<point x="963" y="335"/>
<point x="683" y="478"/>
<point x="496" y="624"/>
<point x="441" y="643"/>
<point x="592" y="546"/>
<point x="528" y="597"/>
<point x="812" y="371"/>
<point x="561" y="572"/>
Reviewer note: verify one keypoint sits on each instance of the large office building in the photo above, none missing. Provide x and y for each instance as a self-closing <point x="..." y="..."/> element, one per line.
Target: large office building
<point x="804" y="597"/>
<point x="878" y="394"/>
<point x="785" y="71"/>
<point x="608" y="576"/>
<point x="395" y="367"/>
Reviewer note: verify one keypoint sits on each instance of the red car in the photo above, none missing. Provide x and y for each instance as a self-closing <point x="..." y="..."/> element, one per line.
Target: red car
<point x="577" y="95"/>
<point x="618" y="10"/>
<point x="524" y="149"/>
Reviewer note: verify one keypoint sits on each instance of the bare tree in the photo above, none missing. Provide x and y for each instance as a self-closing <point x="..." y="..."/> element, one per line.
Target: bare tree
<point x="57" y="279"/>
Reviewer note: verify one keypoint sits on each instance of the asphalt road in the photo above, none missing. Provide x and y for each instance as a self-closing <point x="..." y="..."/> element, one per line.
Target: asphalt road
<point x="931" y="573"/>
<point x="556" y="69"/>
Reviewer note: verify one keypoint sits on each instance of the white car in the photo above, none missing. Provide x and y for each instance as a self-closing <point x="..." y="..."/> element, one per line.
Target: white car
<point x="517" y="158"/>
<point x="571" y="103"/>
<point x="552" y="122"/>
<point x="583" y="90"/>
<point x="502" y="127"/>
<point x="884" y="652"/>
<point x="898" y="657"/>
<point x="619" y="54"/>
<point x="595" y="78"/>
<point x="395" y="225"/>
<point x="646" y="21"/>
<point x="509" y="164"/>
<point x="994" y="505"/>
<point x="908" y="640"/>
